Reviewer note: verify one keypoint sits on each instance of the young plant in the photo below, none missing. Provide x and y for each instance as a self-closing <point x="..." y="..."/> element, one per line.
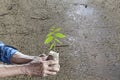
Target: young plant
<point x="53" y="37"/>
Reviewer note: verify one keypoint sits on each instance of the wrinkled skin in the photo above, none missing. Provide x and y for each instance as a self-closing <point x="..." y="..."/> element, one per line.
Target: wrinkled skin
<point x="40" y="66"/>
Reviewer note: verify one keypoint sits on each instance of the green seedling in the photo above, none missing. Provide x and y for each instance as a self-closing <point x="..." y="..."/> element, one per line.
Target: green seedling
<point x="53" y="37"/>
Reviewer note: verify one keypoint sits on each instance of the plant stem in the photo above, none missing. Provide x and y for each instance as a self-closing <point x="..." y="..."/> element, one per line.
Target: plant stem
<point x="54" y="44"/>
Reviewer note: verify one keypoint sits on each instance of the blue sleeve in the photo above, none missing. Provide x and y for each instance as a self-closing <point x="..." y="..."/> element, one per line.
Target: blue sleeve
<point x="6" y="53"/>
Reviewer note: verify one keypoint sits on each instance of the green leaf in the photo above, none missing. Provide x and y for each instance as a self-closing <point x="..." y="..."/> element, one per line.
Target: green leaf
<point x="52" y="45"/>
<point x="57" y="29"/>
<point x="50" y="34"/>
<point x="48" y="39"/>
<point x="60" y="35"/>
<point x="58" y="41"/>
<point x="52" y="28"/>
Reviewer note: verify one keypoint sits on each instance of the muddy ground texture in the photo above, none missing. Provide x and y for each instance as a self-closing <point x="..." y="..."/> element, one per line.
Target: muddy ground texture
<point x="92" y="28"/>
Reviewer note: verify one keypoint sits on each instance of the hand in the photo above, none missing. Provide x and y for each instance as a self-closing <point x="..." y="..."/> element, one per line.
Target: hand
<point x="42" y="67"/>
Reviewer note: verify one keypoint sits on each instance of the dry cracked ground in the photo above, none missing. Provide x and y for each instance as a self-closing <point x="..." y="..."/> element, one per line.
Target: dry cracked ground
<point x="92" y="28"/>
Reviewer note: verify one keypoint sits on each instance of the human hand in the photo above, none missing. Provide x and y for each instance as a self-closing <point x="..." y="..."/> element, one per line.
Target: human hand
<point x="42" y="67"/>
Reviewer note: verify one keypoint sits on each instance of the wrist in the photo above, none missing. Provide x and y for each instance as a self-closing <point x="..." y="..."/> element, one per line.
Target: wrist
<point x="22" y="69"/>
<point x="25" y="69"/>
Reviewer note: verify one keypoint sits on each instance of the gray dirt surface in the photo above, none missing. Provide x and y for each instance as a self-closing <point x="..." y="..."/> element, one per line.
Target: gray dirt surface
<point x="92" y="28"/>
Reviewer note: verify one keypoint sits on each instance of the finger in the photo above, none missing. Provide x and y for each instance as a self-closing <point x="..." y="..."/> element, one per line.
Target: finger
<point x="53" y="69"/>
<point x="50" y="73"/>
<point x="42" y="55"/>
<point x="52" y="62"/>
<point x="58" y="66"/>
